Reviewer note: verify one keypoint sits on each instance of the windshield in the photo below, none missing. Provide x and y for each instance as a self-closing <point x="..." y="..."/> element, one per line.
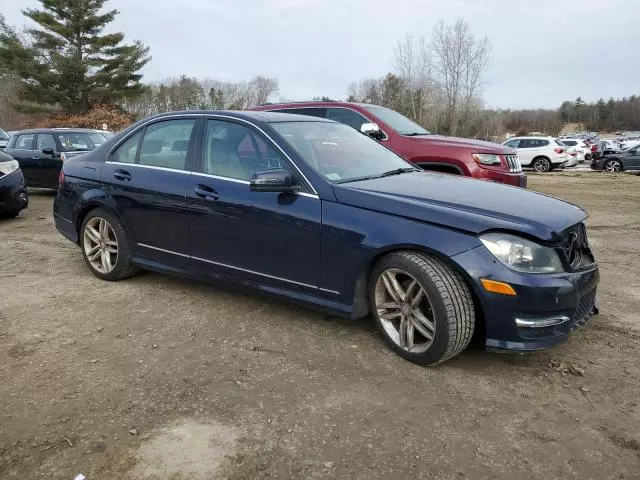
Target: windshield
<point x="398" y="122"/>
<point x="339" y="152"/>
<point x="3" y="135"/>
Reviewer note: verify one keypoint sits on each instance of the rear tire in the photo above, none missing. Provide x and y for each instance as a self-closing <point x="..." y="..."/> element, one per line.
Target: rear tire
<point x="106" y="247"/>
<point x="541" y="164"/>
<point x="427" y="314"/>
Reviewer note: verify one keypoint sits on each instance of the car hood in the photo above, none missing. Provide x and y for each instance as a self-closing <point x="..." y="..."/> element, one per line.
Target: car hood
<point x="478" y="146"/>
<point x="461" y="203"/>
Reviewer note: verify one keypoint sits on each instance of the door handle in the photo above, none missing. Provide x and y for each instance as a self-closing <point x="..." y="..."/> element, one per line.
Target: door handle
<point x="206" y="192"/>
<point x="120" y="174"/>
<point x="35" y="158"/>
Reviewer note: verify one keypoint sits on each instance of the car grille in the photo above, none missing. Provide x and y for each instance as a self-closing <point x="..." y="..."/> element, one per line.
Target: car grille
<point x="514" y="163"/>
<point x="575" y="247"/>
<point x="585" y="310"/>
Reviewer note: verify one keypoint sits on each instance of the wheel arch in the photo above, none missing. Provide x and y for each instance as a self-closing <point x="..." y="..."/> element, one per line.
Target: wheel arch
<point x="617" y="159"/>
<point x="361" y="295"/>
<point x="90" y="201"/>
<point x="442" y="166"/>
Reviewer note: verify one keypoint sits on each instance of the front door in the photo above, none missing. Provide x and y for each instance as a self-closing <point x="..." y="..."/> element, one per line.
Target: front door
<point x="148" y="176"/>
<point x="270" y="238"/>
<point x="50" y="163"/>
<point x="632" y="162"/>
<point x="24" y="151"/>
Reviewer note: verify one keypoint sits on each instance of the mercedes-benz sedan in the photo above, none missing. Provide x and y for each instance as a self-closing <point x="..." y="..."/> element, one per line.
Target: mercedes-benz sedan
<point x="316" y="212"/>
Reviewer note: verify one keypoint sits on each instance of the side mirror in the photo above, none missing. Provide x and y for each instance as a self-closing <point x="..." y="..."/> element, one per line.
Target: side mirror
<point x="276" y="180"/>
<point x="373" y="130"/>
<point x="47" y="151"/>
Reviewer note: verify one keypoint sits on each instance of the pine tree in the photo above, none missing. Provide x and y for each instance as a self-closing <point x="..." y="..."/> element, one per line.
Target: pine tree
<point x="67" y="62"/>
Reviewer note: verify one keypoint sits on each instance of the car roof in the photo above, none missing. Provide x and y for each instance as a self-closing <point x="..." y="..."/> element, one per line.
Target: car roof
<point x="50" y="130"/>
<point x="260" y="116"/>
<point x="535" y="137"/>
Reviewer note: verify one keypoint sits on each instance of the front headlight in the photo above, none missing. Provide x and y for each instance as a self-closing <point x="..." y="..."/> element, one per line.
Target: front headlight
<point x="487" y="159"/>
<point x="521" y="254"/>
<point x="8" y="167"/>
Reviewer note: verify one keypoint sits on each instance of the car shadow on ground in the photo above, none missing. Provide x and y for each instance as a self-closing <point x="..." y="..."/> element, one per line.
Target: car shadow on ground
<point x="475" y="359"/>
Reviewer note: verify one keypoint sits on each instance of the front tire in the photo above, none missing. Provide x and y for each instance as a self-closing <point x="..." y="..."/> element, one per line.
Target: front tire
<point x="612" y="166"/>
<point x="541" y="164"/>
<point x="423" y="308"/>
<point x="105" y="246"/>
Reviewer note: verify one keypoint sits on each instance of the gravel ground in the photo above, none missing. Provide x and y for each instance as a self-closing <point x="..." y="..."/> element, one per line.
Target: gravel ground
<point x="164" y="378"/>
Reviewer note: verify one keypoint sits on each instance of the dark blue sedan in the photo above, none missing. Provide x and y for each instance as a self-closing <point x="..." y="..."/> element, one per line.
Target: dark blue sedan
<point x="316" y="212"/>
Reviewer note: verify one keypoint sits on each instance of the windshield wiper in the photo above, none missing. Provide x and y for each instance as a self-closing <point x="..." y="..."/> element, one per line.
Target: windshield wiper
<point x="399" y="171"/>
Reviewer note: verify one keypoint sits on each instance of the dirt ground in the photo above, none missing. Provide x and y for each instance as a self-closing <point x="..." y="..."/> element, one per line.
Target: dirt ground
<point x="163" y="378"/>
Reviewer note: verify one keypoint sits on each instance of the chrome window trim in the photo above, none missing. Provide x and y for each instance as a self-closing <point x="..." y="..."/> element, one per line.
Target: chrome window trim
<point x="245" y="182"/>
<point x="208" y="115"/>
<point x="218" y="177"/>
<point x="151" y="167"/>
<point x="276" y="110"/>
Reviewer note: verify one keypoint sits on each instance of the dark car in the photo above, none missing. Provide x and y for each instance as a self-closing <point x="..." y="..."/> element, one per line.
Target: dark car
<point x="313" y="211"/>
<point x="41" y="152"/>
<point x="13" y="191"/>
<point x="459" y="156"/>
<point x="628" y="159"/>
<point x="4" y="138"/>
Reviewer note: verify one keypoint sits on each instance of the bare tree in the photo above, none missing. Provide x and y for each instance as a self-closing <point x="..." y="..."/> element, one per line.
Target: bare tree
<point x="412" y="62"/>
<point x="461" y="61"/>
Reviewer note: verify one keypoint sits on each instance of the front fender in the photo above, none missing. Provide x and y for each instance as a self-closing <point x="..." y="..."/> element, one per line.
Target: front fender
<point x="354" y="238"/>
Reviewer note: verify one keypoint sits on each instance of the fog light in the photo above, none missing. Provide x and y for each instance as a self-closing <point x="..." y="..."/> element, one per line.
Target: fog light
<point x="542" y="321"/>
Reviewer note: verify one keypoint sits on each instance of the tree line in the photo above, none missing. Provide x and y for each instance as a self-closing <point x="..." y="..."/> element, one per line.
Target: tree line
<point x="66" y="65"/>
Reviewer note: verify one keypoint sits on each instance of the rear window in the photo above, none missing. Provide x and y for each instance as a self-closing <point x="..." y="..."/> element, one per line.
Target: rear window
<point x="569" y="143"/>
<point x="80" y="141"/>
<point x="309" y="111"/>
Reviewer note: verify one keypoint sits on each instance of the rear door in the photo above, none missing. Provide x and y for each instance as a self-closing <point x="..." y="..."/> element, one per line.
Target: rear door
<point x="632" y="162"/>
<point x="148" y="176"/>
<point x="526" y="151"/>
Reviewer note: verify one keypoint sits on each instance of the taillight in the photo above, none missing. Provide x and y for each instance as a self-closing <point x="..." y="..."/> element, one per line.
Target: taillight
<point x="594" y="148"/>
<point x="558" y="150"/>
<point x="60" y="177"/>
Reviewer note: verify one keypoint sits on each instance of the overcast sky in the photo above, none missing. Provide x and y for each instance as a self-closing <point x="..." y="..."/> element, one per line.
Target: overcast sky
<point x="544" y="51"/>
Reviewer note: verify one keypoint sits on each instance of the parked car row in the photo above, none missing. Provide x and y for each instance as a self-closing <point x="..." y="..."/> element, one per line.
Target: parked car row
<point x="310" y="210"/>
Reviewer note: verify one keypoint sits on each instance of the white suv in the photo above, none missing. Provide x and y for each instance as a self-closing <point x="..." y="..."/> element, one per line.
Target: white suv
<point x="540" y="153"/>
<point x="581" y="147"/>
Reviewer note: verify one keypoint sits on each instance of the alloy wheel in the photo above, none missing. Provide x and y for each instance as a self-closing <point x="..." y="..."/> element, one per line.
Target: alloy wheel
<point x="612" y="166"/>
<point x="405" y="311"/>
<point x="541" y="165"/>
<point x="100" y="245"/>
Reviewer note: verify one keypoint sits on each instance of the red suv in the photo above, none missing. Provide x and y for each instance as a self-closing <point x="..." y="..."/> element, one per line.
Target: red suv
<point x="460" y="156"/>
